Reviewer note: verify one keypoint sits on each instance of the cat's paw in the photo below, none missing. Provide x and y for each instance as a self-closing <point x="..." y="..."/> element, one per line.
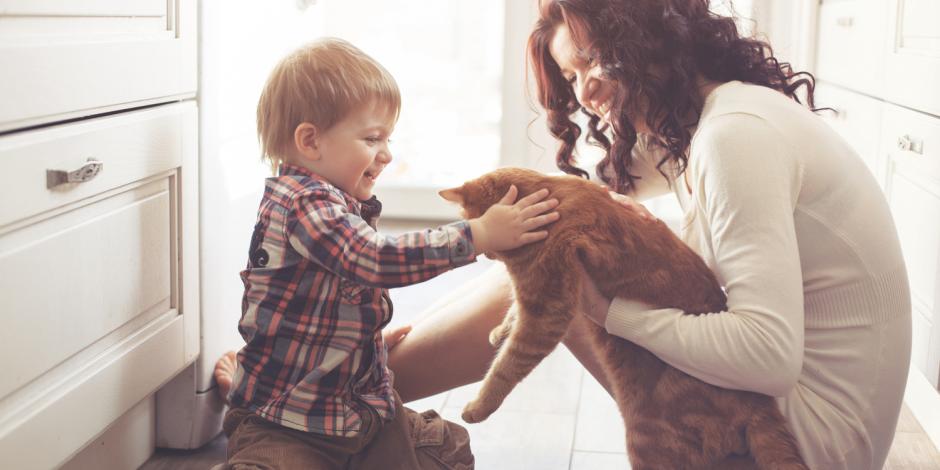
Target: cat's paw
<point x="476" y="412"/>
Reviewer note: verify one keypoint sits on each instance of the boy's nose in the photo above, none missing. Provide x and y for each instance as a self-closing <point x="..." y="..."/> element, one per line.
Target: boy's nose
<point x="385" y="156"/>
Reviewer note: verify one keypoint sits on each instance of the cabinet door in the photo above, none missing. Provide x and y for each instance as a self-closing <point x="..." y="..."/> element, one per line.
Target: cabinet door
<point x="912" y="63"/>
<point x="912" y="147"/>
<point x="62" y="59"/>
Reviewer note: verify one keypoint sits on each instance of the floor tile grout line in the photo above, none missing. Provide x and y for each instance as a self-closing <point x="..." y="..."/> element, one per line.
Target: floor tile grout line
<point x="601" y="452"/>
<point x="577" y="411"/>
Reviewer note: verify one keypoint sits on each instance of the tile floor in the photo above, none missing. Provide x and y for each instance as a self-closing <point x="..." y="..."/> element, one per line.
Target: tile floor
<point x="559" y="418"/>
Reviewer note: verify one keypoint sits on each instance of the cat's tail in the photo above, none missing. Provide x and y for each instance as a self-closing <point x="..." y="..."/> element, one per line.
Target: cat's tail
<point x="771" y="443"/>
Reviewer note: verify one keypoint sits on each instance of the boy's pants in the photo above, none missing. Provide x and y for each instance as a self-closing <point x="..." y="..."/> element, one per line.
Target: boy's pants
<point x="412" y="441"/>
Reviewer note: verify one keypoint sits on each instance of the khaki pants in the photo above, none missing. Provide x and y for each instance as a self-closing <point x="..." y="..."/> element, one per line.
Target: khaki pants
<point x="412" y="441"/>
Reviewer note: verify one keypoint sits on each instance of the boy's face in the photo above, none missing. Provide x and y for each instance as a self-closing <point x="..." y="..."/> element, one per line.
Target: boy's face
<point x="355" y="150"/>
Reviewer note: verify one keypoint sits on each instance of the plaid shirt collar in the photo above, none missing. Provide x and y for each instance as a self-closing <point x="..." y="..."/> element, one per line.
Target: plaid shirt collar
<point x="369" y="209"/>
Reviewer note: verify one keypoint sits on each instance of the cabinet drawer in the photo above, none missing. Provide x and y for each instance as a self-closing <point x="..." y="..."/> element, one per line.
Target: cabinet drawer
<point x="912" y="63"/>
<point x="857" y="118"/>
<point x="75" y="278"/>
<point x="62" y="59"/>
<point x="130" y="147"/>
<point x="98" y="280"/>
<point x="911" y="143"/>
<point x="850" y="44"/>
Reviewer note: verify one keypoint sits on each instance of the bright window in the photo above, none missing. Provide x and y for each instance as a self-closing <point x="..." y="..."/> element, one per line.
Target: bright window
<point x="447" y="57"/>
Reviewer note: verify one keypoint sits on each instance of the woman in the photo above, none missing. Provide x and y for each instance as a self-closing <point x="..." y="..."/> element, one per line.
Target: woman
<point x="781" y="208"/>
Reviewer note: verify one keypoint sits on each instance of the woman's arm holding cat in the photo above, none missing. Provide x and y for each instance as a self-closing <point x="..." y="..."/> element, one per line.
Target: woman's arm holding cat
<point x="757" y="344"/>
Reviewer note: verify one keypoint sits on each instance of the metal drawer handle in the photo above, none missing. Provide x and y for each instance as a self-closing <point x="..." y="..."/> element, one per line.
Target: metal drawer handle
<point x="86" y="173"/>
<point x="911" y="144"/>
<point x="845" y="21"/>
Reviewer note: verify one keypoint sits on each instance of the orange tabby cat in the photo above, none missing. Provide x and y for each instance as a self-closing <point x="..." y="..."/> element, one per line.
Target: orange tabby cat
<point x="673" y="420"/>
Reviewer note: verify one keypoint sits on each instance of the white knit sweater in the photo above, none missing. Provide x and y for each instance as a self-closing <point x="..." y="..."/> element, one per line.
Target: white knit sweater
<point x="798" y="232"/>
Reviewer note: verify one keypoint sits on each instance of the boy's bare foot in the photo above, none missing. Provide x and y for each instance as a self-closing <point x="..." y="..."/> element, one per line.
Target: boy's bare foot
<point x="224" y="374"/>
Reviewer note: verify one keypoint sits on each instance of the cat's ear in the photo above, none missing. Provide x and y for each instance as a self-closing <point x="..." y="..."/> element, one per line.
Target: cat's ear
<point x="453" y="195"/>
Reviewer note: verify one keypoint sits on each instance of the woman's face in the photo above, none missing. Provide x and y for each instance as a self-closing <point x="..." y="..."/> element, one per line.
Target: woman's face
<point x="593" y="91"/>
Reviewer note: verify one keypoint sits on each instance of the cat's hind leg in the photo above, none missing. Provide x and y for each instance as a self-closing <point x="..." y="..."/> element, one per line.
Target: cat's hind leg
<point x="540" y="324"/>
<point x="501" y="332"/>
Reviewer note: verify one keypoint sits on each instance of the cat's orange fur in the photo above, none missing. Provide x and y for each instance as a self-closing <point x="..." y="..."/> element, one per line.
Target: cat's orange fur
<point x="673" y="420"/>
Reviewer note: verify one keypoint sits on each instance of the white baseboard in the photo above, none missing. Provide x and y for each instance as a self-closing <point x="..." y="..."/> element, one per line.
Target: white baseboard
<point x="128" y="443"/>
<point x="924" y="402"/>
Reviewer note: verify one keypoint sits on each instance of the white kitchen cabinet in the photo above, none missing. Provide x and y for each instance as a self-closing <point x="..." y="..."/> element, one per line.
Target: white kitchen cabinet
<point x="98" y="307"/>
<point x="878" y="65"/>
<point x="64" y="60"/>
<point x="99" y="236"/>
<point x="912" y="146"/>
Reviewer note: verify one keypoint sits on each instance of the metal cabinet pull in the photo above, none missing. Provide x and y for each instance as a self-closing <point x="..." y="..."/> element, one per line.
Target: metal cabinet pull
<point x="845" y="21"/>
<point x="911" y="144"/>
<point x="86" y="173"/>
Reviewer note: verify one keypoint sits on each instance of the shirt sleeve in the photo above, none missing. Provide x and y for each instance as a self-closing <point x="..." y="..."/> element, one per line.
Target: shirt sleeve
<point x="746" y="182"/>
<point x="323" y="230"/>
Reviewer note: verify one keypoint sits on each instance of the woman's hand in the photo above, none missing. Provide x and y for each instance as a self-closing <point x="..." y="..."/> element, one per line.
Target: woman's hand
<point x="629" y="203"/>
<point x="593" y="303"/>
<point x="507" y="225"/>
<point x="393" y="336"/>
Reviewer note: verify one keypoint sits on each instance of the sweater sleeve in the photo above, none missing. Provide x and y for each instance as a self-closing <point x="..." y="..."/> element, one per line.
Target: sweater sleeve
<point x="745" y="182"/>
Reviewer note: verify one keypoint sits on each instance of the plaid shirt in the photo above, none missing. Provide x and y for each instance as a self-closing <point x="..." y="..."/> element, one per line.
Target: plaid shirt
<point x="315" y="303"/>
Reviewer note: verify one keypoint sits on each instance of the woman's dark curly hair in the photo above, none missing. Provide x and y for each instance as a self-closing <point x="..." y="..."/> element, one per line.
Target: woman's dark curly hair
<point x="681" y="39"/>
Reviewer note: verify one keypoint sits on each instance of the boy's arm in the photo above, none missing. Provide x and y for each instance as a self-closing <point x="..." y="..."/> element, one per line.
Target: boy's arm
<point x="323" y="230"/>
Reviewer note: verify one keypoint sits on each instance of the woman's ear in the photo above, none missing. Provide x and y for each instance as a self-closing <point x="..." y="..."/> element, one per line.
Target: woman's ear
<point x="306" y="138"/>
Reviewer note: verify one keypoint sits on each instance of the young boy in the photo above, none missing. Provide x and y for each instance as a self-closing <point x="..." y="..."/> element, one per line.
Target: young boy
<point x="311" y="388"/>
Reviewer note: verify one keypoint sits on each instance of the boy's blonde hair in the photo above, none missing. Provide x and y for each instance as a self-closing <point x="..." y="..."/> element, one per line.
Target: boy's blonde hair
<point x="320" y="83"/>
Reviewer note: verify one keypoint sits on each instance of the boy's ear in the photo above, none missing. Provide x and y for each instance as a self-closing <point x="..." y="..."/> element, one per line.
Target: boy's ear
<point x="306" y="142"/>
<point x="453" y="195"/>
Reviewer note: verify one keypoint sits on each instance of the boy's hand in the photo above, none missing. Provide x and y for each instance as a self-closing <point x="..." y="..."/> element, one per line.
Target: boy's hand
<point x="505" y="225"/>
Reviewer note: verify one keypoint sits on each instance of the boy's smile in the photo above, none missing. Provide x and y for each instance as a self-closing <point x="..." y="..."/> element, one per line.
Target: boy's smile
<point x="352" y="154"/>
